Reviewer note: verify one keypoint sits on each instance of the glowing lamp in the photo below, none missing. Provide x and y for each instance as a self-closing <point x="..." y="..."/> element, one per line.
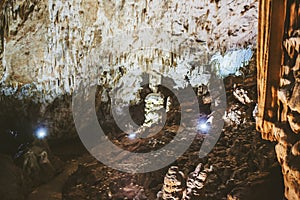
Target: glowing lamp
<point x="41" y="133"/>
<point x="132" y="136"/>
<point x="203" y="125"/>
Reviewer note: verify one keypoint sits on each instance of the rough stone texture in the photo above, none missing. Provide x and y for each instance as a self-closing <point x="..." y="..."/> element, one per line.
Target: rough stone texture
<point x="49" y="44"/>
<point x="11" y="179"/>
<point x="278" y="86"/>
<point x="252" y="174"/>
<point x="176" y="186"/>
<point x="21" y="174"/>
<point x="46" y="46"/>
<point x="243" y="165"/>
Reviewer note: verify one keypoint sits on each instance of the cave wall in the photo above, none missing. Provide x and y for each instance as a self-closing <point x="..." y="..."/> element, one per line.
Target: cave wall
<point x="49" y="47"/>
<point x="278" y="85"/>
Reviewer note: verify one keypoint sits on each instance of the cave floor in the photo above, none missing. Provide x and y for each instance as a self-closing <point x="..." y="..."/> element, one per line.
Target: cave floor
<point x="244" y="167"/>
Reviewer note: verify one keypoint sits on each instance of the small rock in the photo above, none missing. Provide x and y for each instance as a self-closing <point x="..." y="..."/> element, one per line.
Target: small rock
<point x="294" y="102"/>
<point x="294" y="121"/>
<point x="296" y="149"/>
<point x="242" y="96"/>
<point x="292" y="46"/>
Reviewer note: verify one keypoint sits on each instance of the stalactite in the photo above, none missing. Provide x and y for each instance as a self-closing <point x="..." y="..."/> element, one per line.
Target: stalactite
<point x="72" y="48"/>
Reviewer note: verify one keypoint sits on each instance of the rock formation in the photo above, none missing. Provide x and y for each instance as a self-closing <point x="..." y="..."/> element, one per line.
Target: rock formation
<point x="278" y="86"/>
<point x="49" y="47"/>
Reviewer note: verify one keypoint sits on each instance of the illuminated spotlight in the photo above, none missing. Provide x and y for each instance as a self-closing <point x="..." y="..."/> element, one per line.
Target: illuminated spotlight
<point x="41" y="133"/>
<point x="203" y="126"/>
<point x="132" y="136"/>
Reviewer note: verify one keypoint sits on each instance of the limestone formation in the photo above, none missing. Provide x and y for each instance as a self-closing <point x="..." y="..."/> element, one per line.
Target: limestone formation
<point x="177" y="186"/>
<point x="294" y="102"/>
<point x="294" y="121"/>
<point x="174" y="184"/>
<point x="278" y="86"/>
<point x="196" y="182"/>
<point x="48" y="48"/>
<point x="296" y="149"/>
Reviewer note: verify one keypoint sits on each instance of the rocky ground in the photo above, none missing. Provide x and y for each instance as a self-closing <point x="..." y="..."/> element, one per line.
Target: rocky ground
<point x="243" y="165"/>
<point x="240" y="166"/>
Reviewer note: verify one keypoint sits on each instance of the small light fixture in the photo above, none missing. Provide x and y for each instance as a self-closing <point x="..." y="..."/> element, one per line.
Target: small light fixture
<point x="132" y="136"/>
<point x="203" y="125"/>
<point x="41" y="133"/>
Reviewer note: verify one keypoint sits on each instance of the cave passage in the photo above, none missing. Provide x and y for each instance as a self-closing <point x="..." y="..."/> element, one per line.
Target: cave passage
<point x="149" y="100"/>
